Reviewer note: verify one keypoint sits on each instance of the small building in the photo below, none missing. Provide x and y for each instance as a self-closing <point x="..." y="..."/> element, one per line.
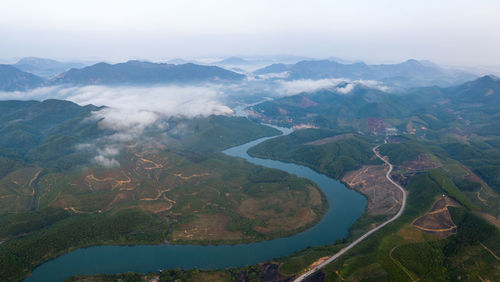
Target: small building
<point x="391" y="131"/>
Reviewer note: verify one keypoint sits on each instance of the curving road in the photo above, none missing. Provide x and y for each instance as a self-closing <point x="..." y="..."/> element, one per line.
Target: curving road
<point x="350" y="246"/>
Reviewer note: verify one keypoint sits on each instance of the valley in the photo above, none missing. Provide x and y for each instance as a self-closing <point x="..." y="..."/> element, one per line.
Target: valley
<point x="73" y="186"/>
<point x="177" y="193"/>
<point x="262" y="141"/>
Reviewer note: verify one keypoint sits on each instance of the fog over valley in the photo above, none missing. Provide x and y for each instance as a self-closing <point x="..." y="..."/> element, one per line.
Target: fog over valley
<point x="221" y="140"/>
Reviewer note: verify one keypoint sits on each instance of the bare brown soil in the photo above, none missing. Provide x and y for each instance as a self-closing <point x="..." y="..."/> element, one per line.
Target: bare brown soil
<point x="317" y="262"/>
<point x="198" y="194"/>
<point x="422" y="162"/>
<point x="438" y="219"/>
<point x="376" y="125"/>
<point x="383" y="197"/>
<point x="108" y="181"/>
<point x="306" y="103"/>
<point x="17" y="189"/>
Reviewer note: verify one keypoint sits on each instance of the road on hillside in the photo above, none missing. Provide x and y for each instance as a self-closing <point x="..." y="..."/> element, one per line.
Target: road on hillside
<point x="350" y="246"/>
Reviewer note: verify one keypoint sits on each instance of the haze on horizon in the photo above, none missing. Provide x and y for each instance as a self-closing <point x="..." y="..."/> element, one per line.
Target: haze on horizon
<point x="452" y="32"/>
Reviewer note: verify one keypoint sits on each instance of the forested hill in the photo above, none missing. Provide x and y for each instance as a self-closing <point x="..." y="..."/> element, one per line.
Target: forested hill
<point x="411" y="73"/>
<point x="137" y="72"/>
<point x="13" y="79"/>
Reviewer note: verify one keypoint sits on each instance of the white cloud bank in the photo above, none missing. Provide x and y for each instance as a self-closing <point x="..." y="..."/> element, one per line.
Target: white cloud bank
<point x="293" y="87"/>
<point x="135" y="107"/>
<point x="130" y="110"/>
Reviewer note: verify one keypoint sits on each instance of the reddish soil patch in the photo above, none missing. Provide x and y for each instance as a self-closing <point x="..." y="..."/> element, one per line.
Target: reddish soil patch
<point x="438" y="219"/>
<point x="306" y="103"/>
<point x="422" y="162"/>
<point x="376" y="125"/>
<point x="383" y="197"/>
<point x="283" y="111"/>
<point x="318" y="262"/>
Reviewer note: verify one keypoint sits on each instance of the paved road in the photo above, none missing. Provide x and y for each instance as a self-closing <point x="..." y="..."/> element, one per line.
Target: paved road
<point x="350" y="246"/>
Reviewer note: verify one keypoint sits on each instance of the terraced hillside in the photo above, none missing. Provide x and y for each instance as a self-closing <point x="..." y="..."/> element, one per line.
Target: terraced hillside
<point x="169" y="185"/>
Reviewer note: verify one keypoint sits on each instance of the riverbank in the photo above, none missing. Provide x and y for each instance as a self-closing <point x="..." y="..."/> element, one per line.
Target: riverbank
<point x="364" y="236"/>
<point x="345" y="207"/>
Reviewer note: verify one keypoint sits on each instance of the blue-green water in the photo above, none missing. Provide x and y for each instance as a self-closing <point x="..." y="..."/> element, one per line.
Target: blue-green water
<point x="345" y="207"/>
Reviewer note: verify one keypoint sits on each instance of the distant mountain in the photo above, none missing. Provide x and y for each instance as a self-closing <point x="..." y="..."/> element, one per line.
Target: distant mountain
<point x="180" y="61"/>
<point x="481" y="94"/>
<point x="411" y="73"/>
<point x="13" y="79"/>
<point x="137" y="72"/>
<point x="274" y="68"/>
<point x="474" y="98"/>
<point x="233" y="61"/>
<point x="45" y="67"/>
<point x="475" y="102"/>
<point x="483" y="89"/>
<point x="283" y="59"/>
<point x="343" y="61"/>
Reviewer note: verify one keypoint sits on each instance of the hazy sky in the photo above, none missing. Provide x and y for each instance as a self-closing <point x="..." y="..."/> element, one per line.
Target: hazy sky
<point x="456" y="32"/>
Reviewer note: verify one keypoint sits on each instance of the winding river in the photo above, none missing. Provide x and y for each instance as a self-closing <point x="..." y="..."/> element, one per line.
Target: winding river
<point x="345" y="207"/>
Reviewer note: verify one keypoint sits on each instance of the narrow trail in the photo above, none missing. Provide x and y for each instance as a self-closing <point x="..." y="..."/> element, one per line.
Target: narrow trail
<point x="35" y="199"/>
<point x="436" y="230"/>
<point x="155" y="165"/>
<point x="364" y="236"/>
<point x="490" y="251"/>
<point x="400" y="265"/>
<point x="478" y="193"/>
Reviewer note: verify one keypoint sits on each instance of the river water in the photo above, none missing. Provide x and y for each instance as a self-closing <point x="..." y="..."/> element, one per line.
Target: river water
<point x="345" y="207"/>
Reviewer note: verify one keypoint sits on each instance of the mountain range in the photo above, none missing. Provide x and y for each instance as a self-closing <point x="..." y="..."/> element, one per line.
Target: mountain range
<point x="476" y="101"/>
<point x="137" y="72"/>
<point x="411" y="73"/>
<point x="13" y="79"/>
<point x="30" y="73"/>
<point x="130" y="73"/>
<point x="46" y="68"/>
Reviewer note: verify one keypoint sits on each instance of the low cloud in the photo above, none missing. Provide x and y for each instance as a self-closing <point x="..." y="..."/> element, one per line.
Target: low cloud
<point x="292" y="87"/>
<point x="188" y="101"/>
<point x="105" y="162"/>
<point x="266" y="76"/>
<point x="131" y="110"/>
<point x="340" y="85"/>
<point x="105" y="156"/>
<point x="135" y="107"/>
<point x="345" y="89"/>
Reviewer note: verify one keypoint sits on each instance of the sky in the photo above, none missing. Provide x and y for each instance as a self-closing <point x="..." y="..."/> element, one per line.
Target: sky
<point x="452" y="32"/>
